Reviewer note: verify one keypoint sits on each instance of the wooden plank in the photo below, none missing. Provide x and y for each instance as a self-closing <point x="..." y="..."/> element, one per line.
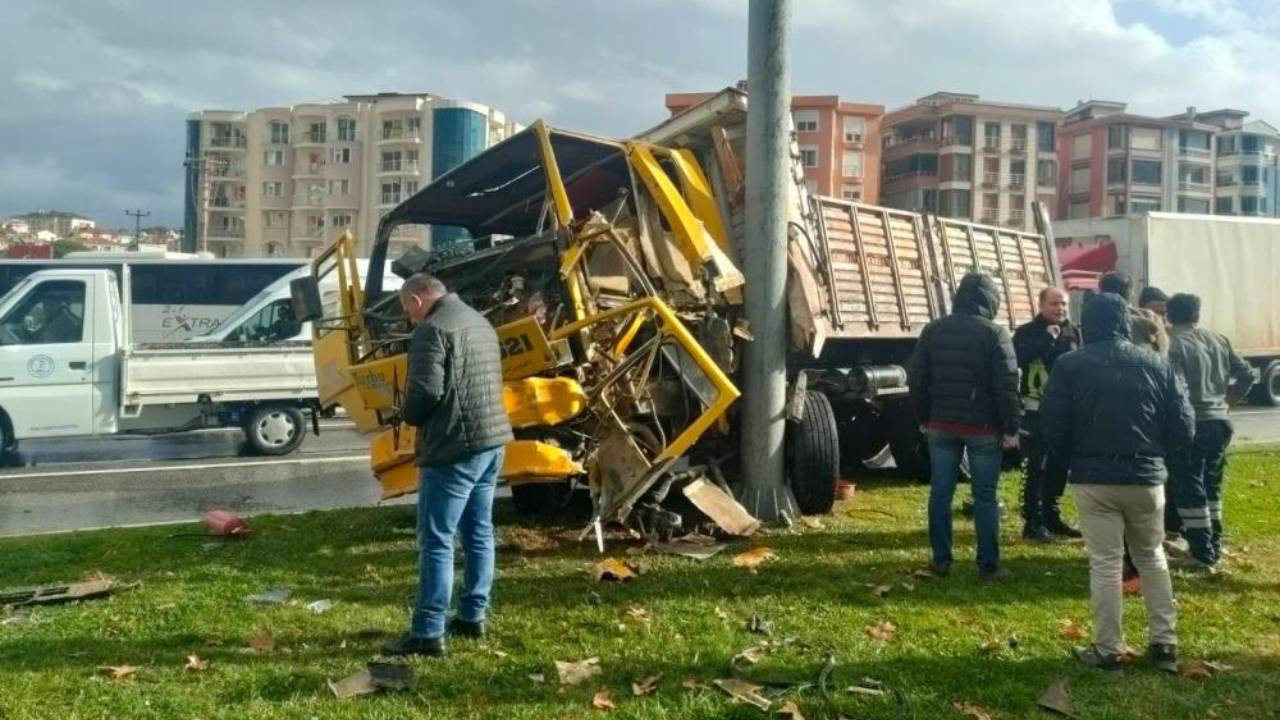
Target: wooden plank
<point x="897" y="271"/>
<point x="862" y="260"/>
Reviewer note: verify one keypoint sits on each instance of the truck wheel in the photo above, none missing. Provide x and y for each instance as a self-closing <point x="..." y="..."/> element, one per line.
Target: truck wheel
<point x="813" y="456"/>
<point x="1269" y="388"/>
<point x="275" y="429"/>
<point x="535" y="499"/>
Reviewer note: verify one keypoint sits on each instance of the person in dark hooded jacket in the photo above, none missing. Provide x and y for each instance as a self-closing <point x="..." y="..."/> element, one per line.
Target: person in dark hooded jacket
<point x="1117" y="411"/>
<point x="964" y="388"/>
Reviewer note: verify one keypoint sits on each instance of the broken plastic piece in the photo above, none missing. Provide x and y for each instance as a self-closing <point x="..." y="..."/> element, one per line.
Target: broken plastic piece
<point x="274" y="596"/>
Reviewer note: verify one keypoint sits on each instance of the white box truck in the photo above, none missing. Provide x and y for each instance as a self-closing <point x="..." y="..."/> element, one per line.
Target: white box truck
<point x="1231" y="262"/>
<point x="68" y="370"/>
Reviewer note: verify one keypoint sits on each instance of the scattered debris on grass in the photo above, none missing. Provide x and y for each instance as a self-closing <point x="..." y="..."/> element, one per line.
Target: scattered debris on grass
<point x="573" y="673"/>
<point x="602" y="700"/>
<point x="992" y="645"/>
<point x="262" y="641"/>
<point x="375" y="677"/>
<point x="17" y="618"/>
<point x="750" y="656"/>
<point x="613" y="569"/>
<point x="811" y="522"/>
<point x="695" y="546"/>
<point x="638" y="614"/>
<point x="720" y="506"/>
<point x="760" y="626"/>
<point x="971" y="711"/>
<point x="867" y="686"/>
<point x="119" y="672"/>
<point x="537" y="678"/>
<point x="880" y="590"/>
<point x="1070" y="630"/>
<point x="320" y="607"/>
<point x="720" y="613"/>
<point x="645" y="686"/>
<point x="1200" y="669"/>
<point x="224" y="522"/>
<point x="195" y="664"/>
<point x="743" y="691"/>
<point x="883" y="631"/>
<point x="1057" y="699"/>
<point x="695" y="685"/>
<point x="274" y="596"/>
<point x="754" y="558"/>
<point x="63" y="593"/>
<point x="790" y="711"/>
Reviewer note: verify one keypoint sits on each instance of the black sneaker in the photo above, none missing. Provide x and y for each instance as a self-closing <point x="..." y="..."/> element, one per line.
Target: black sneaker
<point x="463" y="628"/>
<point x="993" y="574"/>
<point x="1163" y="656"/>
<point x="938" y="569"/>
<point x="1055" y="526"/>
<point x="1036" y="534"/>
<point x="413" y="645"/>
<point x="1110" y="665"/>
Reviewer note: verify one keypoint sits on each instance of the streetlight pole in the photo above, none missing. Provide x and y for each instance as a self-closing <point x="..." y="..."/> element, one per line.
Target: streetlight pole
<point x="763" y="415"/>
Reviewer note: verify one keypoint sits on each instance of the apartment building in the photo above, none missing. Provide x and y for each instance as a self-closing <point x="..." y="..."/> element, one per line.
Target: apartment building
<point x="1248" y="169"/>
<point x="839" y="142"/>
<point x="286" y="181"/>
<point x="58" y="222"/>
<point x="961" y="156"/>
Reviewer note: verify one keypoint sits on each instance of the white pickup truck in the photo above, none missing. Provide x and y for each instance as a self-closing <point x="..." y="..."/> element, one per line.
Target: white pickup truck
<point x="67" y="370"/>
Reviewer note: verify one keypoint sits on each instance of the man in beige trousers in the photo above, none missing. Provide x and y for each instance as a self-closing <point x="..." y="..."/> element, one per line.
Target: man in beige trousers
<point x="1116" y="411"/>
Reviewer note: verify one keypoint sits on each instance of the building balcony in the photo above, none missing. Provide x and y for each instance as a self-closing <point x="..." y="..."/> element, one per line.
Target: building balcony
<point x="309" y="170"/>
<point x="991" y="145"/>
<point x="1017" y="181"/>
<point x="990" y="216"/>
<point x="1194" y="153"/>
<point x="1195" y="187"/>
<point x="400" y="168"/>
<point x="1046" y="182"/>
<point x="854" y="141"/>
<point x="308" y="138"/>
<point x="910" y="174"/>
<point x="1018" y="146"/>
<point x="231" y="142"/>
<point x="896" y="146"/>
<point x="224" y="233"/>
<point x="387" y="199"/>
<point x="400" y="136"/>
<point x="990" y="179"/>
<point x="1017" y="218"/>
<point x="225" y="203"/>
<point x="308" y="201"/>
<point x="231" y="177"/>
<point x="851" y="174"/>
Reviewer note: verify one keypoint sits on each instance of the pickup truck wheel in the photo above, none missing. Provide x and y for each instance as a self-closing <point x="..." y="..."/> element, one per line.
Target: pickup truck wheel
<point x="813" y="456"/>
<point x="275" y="429"/>
<point x="534" y="499"/>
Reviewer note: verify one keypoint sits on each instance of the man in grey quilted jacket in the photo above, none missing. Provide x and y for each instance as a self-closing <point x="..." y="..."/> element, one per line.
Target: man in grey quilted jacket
<point x="454" y="398"/>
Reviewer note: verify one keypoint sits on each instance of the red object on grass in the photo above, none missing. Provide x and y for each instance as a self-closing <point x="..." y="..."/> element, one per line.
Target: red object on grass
<point x="221" y="521"/>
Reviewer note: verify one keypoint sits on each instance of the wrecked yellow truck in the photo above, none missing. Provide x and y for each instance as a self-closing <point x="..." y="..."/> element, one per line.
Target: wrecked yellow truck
<point x="610" y="270"/>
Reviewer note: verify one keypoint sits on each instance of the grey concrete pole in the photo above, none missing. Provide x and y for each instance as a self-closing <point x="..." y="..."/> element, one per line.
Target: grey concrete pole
<point x="764" y="375"/>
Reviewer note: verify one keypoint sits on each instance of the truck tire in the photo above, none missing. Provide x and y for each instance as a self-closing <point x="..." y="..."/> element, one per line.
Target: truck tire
<point x="813" y="456"/>
<point x="275" y="429"/>
<point x="1269" y="388"/>
<point x="540" y="499"/>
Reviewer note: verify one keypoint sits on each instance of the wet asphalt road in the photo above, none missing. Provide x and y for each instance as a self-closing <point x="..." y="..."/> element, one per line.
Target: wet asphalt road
<point x="82" y="484"/>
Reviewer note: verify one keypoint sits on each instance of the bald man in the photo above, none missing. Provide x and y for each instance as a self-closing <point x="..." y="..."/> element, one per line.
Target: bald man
<point x="1038" y="344"/>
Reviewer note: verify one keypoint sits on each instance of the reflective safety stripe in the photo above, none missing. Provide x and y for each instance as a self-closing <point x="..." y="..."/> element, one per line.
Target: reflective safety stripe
<point x="1215" y="505"/>
<point x="1196" y="524"/>
<point x="1193" y="513"/>
<point x="1030" y="404"/>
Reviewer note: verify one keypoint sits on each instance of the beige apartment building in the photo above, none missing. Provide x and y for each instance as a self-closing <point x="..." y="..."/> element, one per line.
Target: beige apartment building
<point x="286" y="181"/>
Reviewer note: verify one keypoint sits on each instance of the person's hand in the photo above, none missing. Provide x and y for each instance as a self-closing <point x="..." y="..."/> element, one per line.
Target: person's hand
<point x="1055" y="330"/>
<point x="1009" y="442"/>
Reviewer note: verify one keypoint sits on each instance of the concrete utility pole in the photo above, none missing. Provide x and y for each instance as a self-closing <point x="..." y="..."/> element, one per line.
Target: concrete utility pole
<point x="137" y="216"/>
<point x="765" y="259"/>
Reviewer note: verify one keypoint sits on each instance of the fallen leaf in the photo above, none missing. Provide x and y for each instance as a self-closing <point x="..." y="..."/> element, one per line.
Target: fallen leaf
<point x="909" y="587"/>
<point x="262" y="641"/>
<point x="538" y="678"/>
<point x="750" y="656"/>
<point x="971" y="711"/>
<point x="993" y="645"/>
<point x="754" y="558"/>
<point x="922" y="573"/>
<point x="1057" y="698"/>
<point x="744" y="691"/>
<point x="883" y="631"/>
<point x="195" y="664"/>
<point x="499" y="654"/>
<point x="720" y="613"/>
<point x="602" y="700"/>
<point x="1218" y="667"/>
<point x="612" y="569"/>
<point x="118" y="672"/>
<point x="692" y="684"/>
<point x="881" y="590"/>
<point x="790" y="711"/>
<point x="1072" y="631"/>
<point x="811" y="522"/>
<point x="1194" y="670"/>
<point x="572" y="673"/>
<point x="645" y="686"/>
<point x="639" y="614"/>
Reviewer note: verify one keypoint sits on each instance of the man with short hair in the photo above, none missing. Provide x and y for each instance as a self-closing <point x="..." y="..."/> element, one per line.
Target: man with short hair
<point x="1154" y="299"/>
<point x="454" y="398"/>
<point x="1215" y="376"/>
<point x="1116" y="410"/>
<point x="964" y="389"/>
<point x="1038" y="344"/>
<point x="1116" y="283"/>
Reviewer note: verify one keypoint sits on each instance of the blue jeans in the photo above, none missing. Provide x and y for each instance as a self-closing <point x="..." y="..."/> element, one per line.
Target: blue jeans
<point x="985" y="456"/>
<point x="456" y="498"/>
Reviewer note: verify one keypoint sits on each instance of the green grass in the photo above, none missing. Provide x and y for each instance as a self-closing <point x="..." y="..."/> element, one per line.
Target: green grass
<point x="192" y="601"/>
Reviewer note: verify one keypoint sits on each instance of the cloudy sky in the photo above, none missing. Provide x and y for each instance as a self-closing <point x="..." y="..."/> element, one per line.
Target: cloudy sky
<point x="96" y="91"/>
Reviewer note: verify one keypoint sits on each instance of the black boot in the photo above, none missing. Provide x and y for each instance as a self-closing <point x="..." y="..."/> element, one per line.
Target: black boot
<point x="1033" y="526"/>
<point x="413" y="645"/>
<point x="1056" y="526"/>
<point x="463" y="628"/>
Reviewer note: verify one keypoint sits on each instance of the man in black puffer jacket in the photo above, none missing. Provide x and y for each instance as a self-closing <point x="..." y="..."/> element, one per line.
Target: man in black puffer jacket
<point x="1117" y="411"/>
<point x="964" y="387"/>
<point x="454" y="398"/>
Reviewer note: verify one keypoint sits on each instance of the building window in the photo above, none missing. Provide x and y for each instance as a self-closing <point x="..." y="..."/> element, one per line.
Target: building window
<point x="954" y="203"/>
<point x="1249" y="174"/>
<point x="1116" y="136"/>
<point x="1225" y="178"/>
<point x="1224" y="206"/>
<point x="1046" y="173"/>
<point x="852" y="164"/>
<point x="410" y="187"/>
<point x="339" y="187"/>
<point x="413" y="126"/>
<point x="1081" y="179"/>
<point x="805" y="120"/>
<point x="991" y="134"/>
<point x="1116" y="204"/>
<point x="1249" y="144"/>
<point x="1193" y="205"/>
<point x="1045" y="136"/>
<point x="1079" y="210"/>
<point x="340" y="155"/>
<point x="1017" y="173"/>
<point x="1250" y="205"/>
<point x="411" y="161"/>
<point x="849" y="192"/>
<point x="961" y="167"/>
<point x="390" y="192"/>
<point x="1194" y="175"/>
<point x="1143" y="138"/>
<point x="1082" y="147"/>
<point x="1194" y="140"/>
<point x="1115" y="170"/>
<point x="1140" y="205"/>
<point x="1226" y="145"/>
<point x="273" y="189"/>
<point x="809" y="156"/>
<point x="274" y="158"/>
<point x="855" y="128"/>
<point x="278" y="133"/>
<point x="346" y="129"/>
<point x="1146" y="172"/>
<point x="392" y="129"/>
<point x="340" y="220"/>
<point x="957" y="130"/>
